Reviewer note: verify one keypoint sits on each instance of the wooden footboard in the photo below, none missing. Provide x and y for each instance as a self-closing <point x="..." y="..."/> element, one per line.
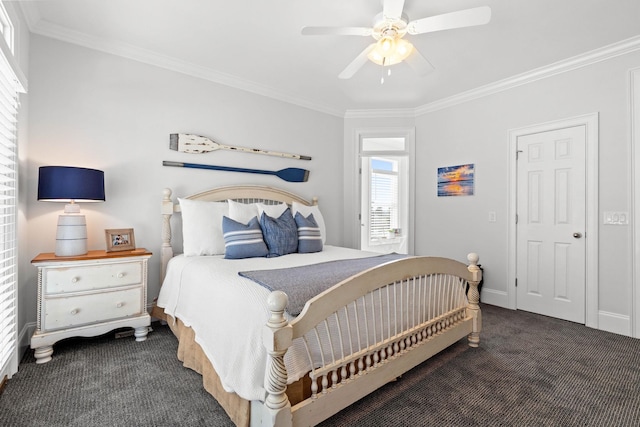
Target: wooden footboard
<point x="389" y="319"/>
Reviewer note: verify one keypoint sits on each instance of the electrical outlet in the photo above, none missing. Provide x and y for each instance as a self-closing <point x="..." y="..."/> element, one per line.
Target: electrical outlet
<point x="492" y="216"/>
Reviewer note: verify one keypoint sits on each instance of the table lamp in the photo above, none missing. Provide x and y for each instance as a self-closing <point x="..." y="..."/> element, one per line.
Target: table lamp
<point x="70" y="185"/>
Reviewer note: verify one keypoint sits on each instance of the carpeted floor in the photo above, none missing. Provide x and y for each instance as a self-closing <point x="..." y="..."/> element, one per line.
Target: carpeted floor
<point x="530" y="370"/>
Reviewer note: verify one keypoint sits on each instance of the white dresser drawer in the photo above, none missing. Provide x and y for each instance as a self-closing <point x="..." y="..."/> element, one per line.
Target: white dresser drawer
<point x="89" y="295"/>
<point x="85" y="309"/>
<point x="83" y="278"/>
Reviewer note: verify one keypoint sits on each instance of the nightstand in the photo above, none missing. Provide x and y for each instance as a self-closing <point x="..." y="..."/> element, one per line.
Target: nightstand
<point x="89" y="295"/>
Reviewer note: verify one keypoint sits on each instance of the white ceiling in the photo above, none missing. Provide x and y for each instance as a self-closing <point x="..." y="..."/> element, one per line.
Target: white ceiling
<point x="256" y="45"/>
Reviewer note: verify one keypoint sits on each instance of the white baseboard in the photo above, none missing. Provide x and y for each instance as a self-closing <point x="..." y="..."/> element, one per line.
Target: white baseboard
<point x="609" y="322"/>
<point x="493" y="297"/>
<point x="24" y="338"/>
<point x="615" y="323"/>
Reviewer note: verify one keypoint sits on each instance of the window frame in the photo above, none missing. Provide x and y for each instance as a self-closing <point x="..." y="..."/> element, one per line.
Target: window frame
<point x="408" y="134"/>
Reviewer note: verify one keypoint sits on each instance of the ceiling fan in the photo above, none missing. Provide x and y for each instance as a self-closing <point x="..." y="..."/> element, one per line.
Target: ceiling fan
<point x="389" y="28"/>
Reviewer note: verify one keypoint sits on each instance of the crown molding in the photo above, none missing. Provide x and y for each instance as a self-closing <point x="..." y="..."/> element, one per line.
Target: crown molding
<point x="588" y="58"/>
<point x="30" y="13"/>
<point x="47" y="29"/>
<point x="38" y="26"/>
<point x="381" y="113"/>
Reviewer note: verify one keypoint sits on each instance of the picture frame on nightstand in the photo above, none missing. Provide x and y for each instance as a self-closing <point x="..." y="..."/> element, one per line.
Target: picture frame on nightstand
<point x="120" y="239"/>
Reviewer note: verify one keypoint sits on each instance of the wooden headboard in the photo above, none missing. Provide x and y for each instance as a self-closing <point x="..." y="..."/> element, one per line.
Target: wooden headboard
<point x="242" y="194"/>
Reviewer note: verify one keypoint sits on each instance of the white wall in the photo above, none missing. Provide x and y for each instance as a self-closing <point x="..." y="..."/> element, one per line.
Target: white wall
<point x="477" y="132"/>
<point x="91" y="109"/>
<point x="96" y="110"/>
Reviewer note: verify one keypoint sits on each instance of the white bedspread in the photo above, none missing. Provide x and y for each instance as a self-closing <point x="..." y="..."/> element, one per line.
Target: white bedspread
<point x="228" y="312"/>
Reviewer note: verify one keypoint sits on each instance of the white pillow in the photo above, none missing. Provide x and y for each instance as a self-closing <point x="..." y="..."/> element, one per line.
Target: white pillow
<point x="274" y="211"/>
<point x="315" y="210"/>
<point x="202" y="227"/>
<point x="242" y="212"/>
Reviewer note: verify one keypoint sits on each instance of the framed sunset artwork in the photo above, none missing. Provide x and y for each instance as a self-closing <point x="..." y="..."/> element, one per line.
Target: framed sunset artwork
<point x="456" y="180"/>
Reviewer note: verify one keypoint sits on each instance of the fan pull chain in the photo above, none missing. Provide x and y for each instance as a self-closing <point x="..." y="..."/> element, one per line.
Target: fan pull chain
<point x="384" y="60"/>
<point x="388" y="74"/>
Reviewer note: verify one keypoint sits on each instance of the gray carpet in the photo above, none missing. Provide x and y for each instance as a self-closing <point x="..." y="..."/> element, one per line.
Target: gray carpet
<point x="530" y="370"/>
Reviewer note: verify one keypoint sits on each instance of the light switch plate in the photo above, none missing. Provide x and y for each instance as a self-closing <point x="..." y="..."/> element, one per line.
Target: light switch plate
<point x="616" y="218"/>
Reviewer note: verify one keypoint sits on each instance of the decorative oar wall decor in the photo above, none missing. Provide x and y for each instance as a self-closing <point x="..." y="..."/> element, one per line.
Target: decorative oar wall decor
<point x="188" y="143"/>
<point x="288" y="174"/>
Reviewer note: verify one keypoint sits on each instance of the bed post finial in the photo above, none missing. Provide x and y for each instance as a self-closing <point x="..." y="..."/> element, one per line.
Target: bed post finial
<point x="473" y="309"/>
<point x="277" y="338"/>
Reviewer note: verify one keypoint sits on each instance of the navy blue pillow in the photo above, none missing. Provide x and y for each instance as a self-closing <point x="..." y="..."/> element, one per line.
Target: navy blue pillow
<point x="309" y="238"/>
<point x="280" y="234"/>
<point x="243" y="241"/>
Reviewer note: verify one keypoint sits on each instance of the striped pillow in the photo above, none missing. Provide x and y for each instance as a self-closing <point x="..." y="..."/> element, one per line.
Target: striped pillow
<point x="243" y="241"/>
<point x="309" y="237"/>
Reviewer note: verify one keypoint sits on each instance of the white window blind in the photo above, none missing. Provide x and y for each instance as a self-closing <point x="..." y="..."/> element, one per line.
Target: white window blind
<point x="8" y="201"/>
<point x="383" y="213"/>
<point x="386" y="184"/>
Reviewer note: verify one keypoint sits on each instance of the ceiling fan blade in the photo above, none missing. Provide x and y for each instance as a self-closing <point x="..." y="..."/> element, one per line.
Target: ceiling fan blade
<point x="463" y="18"/>
<point x="337" y="31"/>
<point x="419" y="63"/>
<point x="357" y="63"/>
<point x="392" y="9"/>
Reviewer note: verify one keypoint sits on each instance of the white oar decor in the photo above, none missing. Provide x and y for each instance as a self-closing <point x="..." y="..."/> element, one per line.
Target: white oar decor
<point x="188" y="143"/>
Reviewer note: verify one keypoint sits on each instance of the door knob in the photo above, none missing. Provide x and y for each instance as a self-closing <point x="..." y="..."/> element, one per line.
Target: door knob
<point x="577" y="235"/>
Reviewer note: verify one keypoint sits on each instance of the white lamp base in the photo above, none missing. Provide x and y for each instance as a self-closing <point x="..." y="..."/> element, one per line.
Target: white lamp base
<point x="71" y="238"/>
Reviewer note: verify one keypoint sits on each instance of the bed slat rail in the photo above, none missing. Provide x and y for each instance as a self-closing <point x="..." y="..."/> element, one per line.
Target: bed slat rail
<point x="388" y="321"/>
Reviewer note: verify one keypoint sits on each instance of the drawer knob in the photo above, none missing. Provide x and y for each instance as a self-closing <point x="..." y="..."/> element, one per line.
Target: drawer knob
<point x="120" y="275"/>
<point x="120" y="304"/>
<point x="75" y="280"/>
<point x="75" y="311"/>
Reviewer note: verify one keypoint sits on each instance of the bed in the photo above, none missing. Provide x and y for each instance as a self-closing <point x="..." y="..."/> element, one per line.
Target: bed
<point x="274" y="355"/>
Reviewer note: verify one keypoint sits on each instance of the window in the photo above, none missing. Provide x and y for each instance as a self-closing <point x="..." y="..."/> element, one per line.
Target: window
<point x="6" y="28"/>
<point x="384" y="195"/>
<point x="9" y="87"/>
<point x="383" y="199"/>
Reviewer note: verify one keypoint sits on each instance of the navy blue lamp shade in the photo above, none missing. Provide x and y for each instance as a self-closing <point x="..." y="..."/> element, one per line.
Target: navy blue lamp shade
<point x="70" y="185"/>
<point x="66" y="184"/>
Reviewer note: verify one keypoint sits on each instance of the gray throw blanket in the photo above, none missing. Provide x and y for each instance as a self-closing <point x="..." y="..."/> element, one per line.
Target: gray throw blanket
<point x="303" y="283"/>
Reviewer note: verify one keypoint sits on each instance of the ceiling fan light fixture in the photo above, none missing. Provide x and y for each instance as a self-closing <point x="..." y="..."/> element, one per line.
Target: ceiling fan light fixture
<point x="391" y="25"/>
<point x="403" y="49"/>
<point x="386" y="45"/>
<point x="389" y="51"/>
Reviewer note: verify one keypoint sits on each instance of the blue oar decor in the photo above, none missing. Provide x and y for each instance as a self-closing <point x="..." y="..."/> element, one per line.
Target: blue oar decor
<point x="288" y="174"/>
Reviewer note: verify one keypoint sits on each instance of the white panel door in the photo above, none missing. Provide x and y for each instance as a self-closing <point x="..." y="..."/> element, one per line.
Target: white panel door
<point x="551" y="203"/>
